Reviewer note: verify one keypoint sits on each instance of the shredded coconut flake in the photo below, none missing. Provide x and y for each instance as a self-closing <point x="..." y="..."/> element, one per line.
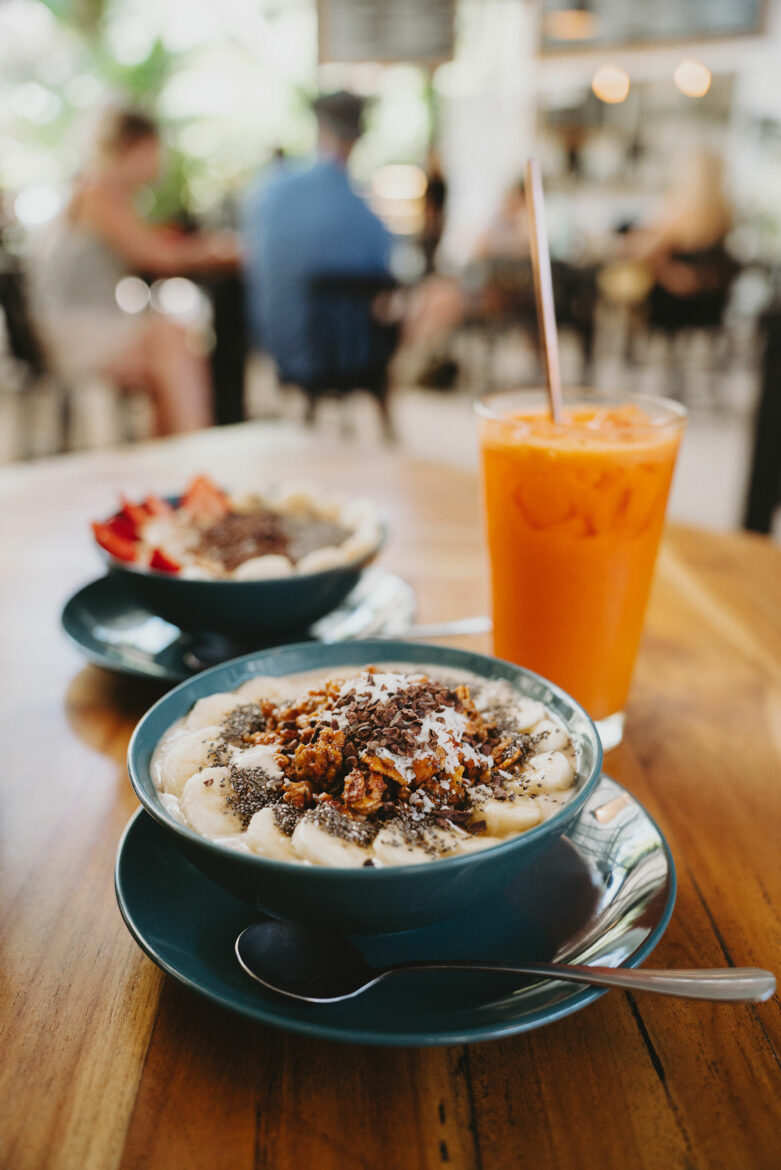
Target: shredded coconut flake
<point x="373" y="686"/>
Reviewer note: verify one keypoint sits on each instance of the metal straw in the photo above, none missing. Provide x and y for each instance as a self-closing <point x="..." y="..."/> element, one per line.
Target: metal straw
<point x="543" y="286"/>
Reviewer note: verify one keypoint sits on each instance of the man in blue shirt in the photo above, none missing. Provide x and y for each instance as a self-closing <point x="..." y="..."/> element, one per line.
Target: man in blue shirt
<point x="305" y="223"/>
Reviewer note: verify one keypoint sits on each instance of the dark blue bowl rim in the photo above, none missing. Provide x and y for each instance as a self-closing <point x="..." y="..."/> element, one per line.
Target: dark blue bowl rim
<point x="331" y="873"/>
<point x="158" y="575"/>
<point x="390" y="1038"/>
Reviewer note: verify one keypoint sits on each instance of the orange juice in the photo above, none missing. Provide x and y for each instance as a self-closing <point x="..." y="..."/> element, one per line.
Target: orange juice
<point x="574" y="514"/>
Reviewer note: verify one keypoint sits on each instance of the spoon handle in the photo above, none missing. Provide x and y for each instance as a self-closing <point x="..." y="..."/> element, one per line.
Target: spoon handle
<point x="470" y="625"/>
<point x="729" y="983"/>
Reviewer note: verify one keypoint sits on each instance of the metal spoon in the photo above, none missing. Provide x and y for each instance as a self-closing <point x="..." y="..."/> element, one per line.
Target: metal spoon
<point x="320" y="967"/>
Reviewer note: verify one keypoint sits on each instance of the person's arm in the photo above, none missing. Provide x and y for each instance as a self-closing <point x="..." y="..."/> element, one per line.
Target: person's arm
<point x="149" y="248"/>
<point x="483" y="247"/>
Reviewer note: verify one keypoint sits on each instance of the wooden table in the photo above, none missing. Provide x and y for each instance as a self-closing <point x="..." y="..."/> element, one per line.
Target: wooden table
<point x="107" y="1063"/>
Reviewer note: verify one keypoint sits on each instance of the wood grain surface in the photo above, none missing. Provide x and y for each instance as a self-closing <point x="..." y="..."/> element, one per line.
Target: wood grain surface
<point x="108" y="1064"/>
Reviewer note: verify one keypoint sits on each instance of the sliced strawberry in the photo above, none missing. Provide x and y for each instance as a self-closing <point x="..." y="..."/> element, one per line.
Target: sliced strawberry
<point x="135" y="513"/>
<point x="156" y="506"/>
<point x="122" y="526"/>
<point x="160" y="561"/>
<point x="119" y="546"/>
<point x="205" y="500"/>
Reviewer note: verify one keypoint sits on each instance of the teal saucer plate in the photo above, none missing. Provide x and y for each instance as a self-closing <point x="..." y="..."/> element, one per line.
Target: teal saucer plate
<point x="602" y="894"/>
<point x="111" y="628"/>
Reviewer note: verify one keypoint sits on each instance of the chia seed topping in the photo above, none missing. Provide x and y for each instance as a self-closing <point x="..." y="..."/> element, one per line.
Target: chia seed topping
<point x="340" y="824"/>
<point x="241" y="723"/>
<point x="286" y="817"/>
<point x="250" y="790"/>
<point x="218" y="755"/>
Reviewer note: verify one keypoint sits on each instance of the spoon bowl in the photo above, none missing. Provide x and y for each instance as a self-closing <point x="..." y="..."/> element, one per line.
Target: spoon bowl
<point x="314" y="965"/>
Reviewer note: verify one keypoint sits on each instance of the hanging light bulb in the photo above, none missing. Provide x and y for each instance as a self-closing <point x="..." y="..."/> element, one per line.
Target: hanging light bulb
<point x="610" y="84"/>
<point x="692" y="78"/>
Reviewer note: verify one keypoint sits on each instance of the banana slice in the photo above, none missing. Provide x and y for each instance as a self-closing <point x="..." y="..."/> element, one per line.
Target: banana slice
<point x="195" y="573"/>
<point x="184" y="755"/>
<point x="261" y="687"/>
<point x="265" y="837"/>
<point x="260" y="755"/>
<point x="295" y="497"/>
<point x="246" y="500"/>
<point x="505" y="817"/>
<point x="235" y="841"/>
<point x="527" y="713"/>
<point x="550" y="772"/>
<point x="203" y="804"/>
<point x="314" y="844"/>
<point x="391" y="849"/>
<point x="263" y="568"/>
<point x="474" y="844"/>
<point x="555" y="735"/>
<point x="358" y="512"/>
<point x="363" y="541"/>
<point x="550" y="804"/>
<point x="331" y="507"/>
<point x="210" y="710"/>
<point x="172" y="807"/>
<point x="320" y="559"/>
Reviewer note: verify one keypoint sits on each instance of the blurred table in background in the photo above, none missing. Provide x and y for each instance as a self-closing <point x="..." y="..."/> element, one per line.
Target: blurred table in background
<point x="109" y="1063"/>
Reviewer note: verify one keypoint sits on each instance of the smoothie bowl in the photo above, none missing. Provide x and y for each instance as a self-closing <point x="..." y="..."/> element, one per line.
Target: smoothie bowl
<point x="255" y="562"/>
<point x="366" y="786"/>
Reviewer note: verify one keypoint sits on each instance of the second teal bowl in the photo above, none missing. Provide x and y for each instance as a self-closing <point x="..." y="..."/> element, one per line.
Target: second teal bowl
<point x="372" y="900"/>
<point x="269" y="609"/>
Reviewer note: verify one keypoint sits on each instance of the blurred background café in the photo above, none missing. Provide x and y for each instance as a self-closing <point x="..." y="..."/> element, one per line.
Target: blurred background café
<point x="311" y="213"/>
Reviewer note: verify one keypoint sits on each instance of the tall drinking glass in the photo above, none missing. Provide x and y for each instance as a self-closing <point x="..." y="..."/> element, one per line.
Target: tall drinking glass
<point x="574" y="513"/>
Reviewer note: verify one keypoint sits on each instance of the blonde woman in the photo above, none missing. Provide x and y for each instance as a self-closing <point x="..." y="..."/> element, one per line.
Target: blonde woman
<point x="96" y="241"/>
<point x="692" y="229"/>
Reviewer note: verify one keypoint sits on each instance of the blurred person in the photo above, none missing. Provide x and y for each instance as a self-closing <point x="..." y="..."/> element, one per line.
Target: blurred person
<point x="279" y="157"/>
<point x="507" y="234"/>
<point x="498" y="276"/>
<point x="685" y="251"/>
<point x="434" y="211"/>
<point x="499" y="261"/>
<point x="303" y="223"/>
<point x="94" y="243"/>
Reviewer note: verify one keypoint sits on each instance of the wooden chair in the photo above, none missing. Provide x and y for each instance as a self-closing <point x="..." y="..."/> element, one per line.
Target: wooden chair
<point x="672" y="316"/>
<point x="24" y="346"/>
<point x="506" y="302"/>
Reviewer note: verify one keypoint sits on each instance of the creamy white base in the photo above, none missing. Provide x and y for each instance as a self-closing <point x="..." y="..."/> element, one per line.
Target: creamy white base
<point x="193" y="792"/>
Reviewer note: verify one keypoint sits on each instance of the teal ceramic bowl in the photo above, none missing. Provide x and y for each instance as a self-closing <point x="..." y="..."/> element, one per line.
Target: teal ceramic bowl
<point x="371" y="900"/>
<point x="265" y="609"/>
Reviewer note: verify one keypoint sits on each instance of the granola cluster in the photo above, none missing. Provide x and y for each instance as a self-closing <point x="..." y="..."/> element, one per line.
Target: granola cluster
<point x="373" y="749"/>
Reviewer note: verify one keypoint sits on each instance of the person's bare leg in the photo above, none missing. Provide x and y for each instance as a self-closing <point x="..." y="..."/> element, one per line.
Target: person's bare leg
<point x="180" y="379"/>
<point x="435" y="308"/>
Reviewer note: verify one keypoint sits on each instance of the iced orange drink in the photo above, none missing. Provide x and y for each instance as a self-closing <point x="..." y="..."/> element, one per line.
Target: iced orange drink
<point x="574" y="514"/>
